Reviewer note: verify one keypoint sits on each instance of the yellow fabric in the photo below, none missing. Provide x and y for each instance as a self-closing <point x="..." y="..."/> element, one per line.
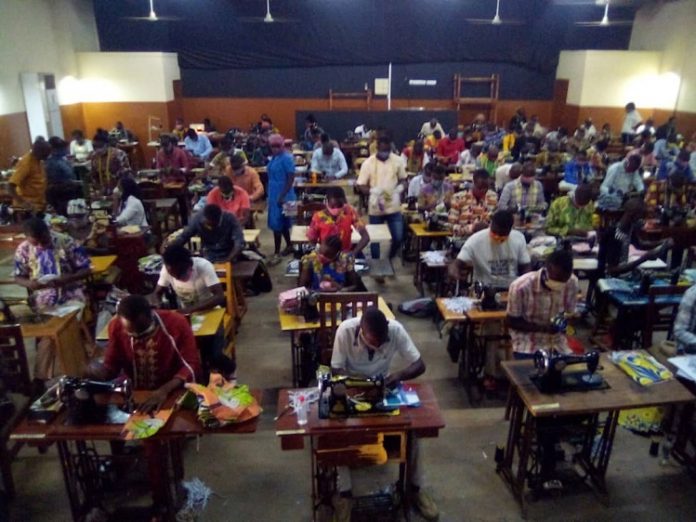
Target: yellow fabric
<point x="508" y="142"/>
<point x="30" y="179"/>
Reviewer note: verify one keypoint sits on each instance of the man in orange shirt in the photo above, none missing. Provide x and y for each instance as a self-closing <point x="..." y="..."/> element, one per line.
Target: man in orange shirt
<point x="244" y="176"/>
<point x="28" y="182"/>
<point x="229" y="198"/>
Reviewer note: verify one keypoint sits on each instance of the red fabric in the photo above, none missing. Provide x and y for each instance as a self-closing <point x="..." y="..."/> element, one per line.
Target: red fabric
<point x="157" y="361"/>
<point x="177" y="160"/>
<point x="450" y="149"/>
<point x="233" y="206"/>
<point x="324" y="225"/>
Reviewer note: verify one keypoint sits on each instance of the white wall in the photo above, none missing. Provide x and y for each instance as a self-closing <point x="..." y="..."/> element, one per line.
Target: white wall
<point x="671" y="28"/>
<point x="42" y="36"/>
<point x="614" y="78"/>
<point x="127" y="77"/>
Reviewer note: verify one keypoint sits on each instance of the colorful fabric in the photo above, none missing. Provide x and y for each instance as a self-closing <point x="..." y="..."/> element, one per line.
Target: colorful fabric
<point x="489" y="165"/>
<point x="517" y="196"/>
<point x="660" y="194"/>
<point x="323" y="225"/>
<point x="107" y="166"/>
<point x="413" y="163"/>
<point x="577" y="173"/>
<point x="431" y="196"/>
<point x="469" y="208"/>
<point x="529" y="299"/>
<point x="153" y="361"/>
<point x="642" y="420"/>
<point x="222" y="403"/>
<point x="30" y="179"/>
<point x="564" y="216"/>
<point x="334" y="272"/>
<point x="63" y="257"/>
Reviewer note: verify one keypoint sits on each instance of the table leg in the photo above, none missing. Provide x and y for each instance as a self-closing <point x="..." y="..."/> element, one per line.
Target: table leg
<point x="157" y="455"/>
<point x="295" y="355"/>
<point x="596" y="461"/>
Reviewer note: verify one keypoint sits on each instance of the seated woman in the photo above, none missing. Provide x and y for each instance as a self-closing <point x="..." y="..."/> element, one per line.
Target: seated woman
<point x="128" y="207"/>
<point x="328" y="269"/>
<point x="338" y="219"/>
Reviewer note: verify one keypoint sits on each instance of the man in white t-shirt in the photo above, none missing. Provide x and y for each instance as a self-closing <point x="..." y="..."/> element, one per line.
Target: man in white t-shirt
<point x="365" y="347"/>
<point x="506" y="173"/>
<point x="631" y="121"/>
<point x="197" y="288"/>
<point x="497" y="254"/>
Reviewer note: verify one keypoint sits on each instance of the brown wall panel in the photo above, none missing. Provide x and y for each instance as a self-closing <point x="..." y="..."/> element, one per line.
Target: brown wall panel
<point x="73" y="119"/>
<point x="14" y="137"/>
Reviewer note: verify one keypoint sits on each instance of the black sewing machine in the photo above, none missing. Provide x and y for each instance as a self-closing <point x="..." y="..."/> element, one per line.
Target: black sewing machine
<point x="488" y="297"/>
<point x="79" y="397"/>
<point x="551" y="379"/>
<point x="343" y="396"/>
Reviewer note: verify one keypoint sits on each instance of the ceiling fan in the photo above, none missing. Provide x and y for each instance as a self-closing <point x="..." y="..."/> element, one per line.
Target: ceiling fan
<point x="605" y="22"/>
<point x="496" y="20"/>
<point x="268" y="19"/>
<point x="152" y="16"/>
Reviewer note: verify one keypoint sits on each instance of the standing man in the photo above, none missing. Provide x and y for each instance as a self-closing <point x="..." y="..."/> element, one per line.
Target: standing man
<point x="429" y="128"/>
<point x="632" y="120"/>
<point x="365" y="347"/>
<point x="329" y="160"/>
<point x="381" y="178"/>
<point x="28" y="181"/>
<point x="535" y="299"/>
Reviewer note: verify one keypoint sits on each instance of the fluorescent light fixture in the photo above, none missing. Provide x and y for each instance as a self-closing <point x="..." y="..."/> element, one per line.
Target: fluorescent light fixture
<point x="422" y="83"/>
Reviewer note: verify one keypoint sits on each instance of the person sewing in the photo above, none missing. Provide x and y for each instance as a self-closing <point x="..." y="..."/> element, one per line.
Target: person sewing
<point x="526" y="193"/>
<point x="488" y="160"/>
<point x="438" y="193"/>
<point x="171" y="161"/>
<point x="128" y="205"/>
<point x="415" y="156"/>
<point x="534" y="299"/>
<point x="222" y="237"/>
<point x="328" y="268"/>
<point x="430" y="127"/>
<point x="577" y="171"/>
<point x="449" y="148"/>
<point x="623" y="178"/>
<point x="27" y="184"/>
<point x="468" y="157"/>
<point x="52" y="267"/>
<point x="198" y="289"/>
<point x="497" y="254"/>
<point x="328" y="160"/>
<point x="246" y="177"/>
<point x="179" y="130"/>
<point x="505" y="174"/>
<point x="229" y="198"/>
<point x="571" y="215"/>
<point x="120" y="133"/>
<point x="338" y="219"/>
<point x="108" y="163"/>
<point x="218" y="165"/>
<point x="198" y="145"/>
<point x="80" y="148"/>
<point x="423" y="178"/>
<point x="471" y="208"/>
<point x="366" y="347"/>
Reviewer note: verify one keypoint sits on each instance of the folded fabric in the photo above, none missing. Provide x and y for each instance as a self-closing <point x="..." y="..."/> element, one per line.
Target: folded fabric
<point x="143" y="425"/>
<point x="222" y="402"/>
<point x="290" y="299"/>
<point x="641" y="367"/>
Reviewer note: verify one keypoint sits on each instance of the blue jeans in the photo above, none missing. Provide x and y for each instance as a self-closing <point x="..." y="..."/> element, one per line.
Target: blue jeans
<point x="395" y="222"/>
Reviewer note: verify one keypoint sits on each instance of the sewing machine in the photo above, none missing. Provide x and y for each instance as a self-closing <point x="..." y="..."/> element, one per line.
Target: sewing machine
<point x="488" y="296"/>
<point x="550" y="365"/>
<point x="343" y="396"/>
<point x="79" y="397"/>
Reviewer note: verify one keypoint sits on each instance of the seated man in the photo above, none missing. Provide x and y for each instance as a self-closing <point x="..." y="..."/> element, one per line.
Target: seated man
<point x="171" y="160"/>
<point x="505" y="174"/>
<point x="488" y="160"/>
<point x="229" y="198"/>
<point x="449" y="148"/>
<point x="418" y="181"/>
<point x="198" y="145"/>
<point x="197" y="288"/>
<point x="571" y="215"/>
<point x="245" y="177"/>
<point x="497" y="254"/>
<point x="179" y="130"/>
<point x="365" y="347"/>
<point x="468" y="156"/>
<point x="329" y="160"/>
<point x="526" y="193"/>
<point x="685" y="323"/>
<point x="338" y="219"/>
<point x="436" y="193"/>
<point x="577" y="172"/>
<point x="471" y="208"/>
<point x="623" y="177"/>
<point x="51" y="266"/>
<point x="120" y="133"/>
<point x="218" y="165"/>
<point x="28" y="181"/>
<point x="156" y="349"/>
<point x="534" y="299"/>
<point x="328" y="269"/>
<point x="222" y="237"/>
<point x="680" y="166"/>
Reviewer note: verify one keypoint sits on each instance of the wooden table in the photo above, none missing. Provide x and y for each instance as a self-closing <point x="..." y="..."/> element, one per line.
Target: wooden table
<point x="529" y="405"/>
<point x="378" y="234"/>
<point x="342" y="182"/>
<point x="423" y="421"/>
<point x="66" y="336"/>
<point x="472" y="356"/>
<point x="296" y="324"/>
<point x="422" y="234"/>
<point x="162" y="451"/>
<point x="101" y="264"/>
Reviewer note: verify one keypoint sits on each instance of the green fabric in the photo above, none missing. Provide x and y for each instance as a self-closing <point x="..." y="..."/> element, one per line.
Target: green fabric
<point x="564" y="216"/>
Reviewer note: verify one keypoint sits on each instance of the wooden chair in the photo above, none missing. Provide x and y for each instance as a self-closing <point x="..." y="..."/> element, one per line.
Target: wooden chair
<point x="334" y="308"/>
<point x="305" y="211"/>
<point x="16" y="380"/>
<point x="233" y="315"/>
<point x="659" y="316"/>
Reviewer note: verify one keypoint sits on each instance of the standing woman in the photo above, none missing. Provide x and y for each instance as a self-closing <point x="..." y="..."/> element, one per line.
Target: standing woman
<point x="281" y="175"/>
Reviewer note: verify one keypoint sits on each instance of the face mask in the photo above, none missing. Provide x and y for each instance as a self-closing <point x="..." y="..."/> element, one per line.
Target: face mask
<point x="333" y="211"/>
<point x="383" y="156"/>
<point x="227" y="197"/>
<point x="554" y="286"/>
<point x="498" y="238"/>
<point x="437" y="183"/>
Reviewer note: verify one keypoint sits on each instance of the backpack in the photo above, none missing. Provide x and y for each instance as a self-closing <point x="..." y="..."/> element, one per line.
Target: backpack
<point x="420" y="308"/>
